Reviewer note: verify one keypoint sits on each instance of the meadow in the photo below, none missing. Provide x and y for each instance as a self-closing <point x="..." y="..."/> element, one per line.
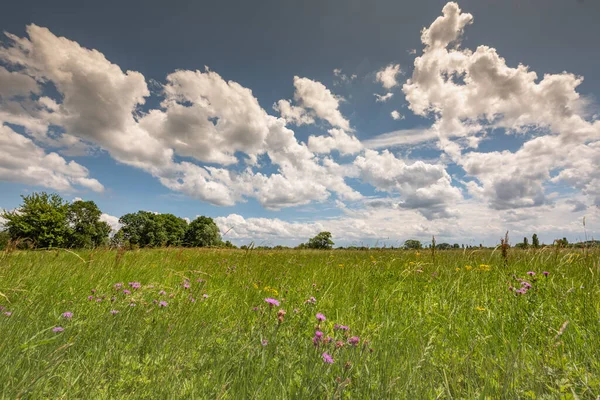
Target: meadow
<point x="195" y="324"/>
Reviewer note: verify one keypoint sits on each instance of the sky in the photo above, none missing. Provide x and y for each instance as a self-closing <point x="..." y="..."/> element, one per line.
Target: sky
<point x="379" y="121"/>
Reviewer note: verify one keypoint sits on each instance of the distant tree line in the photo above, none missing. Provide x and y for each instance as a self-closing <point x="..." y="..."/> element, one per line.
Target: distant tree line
<point x="48" y="221"/>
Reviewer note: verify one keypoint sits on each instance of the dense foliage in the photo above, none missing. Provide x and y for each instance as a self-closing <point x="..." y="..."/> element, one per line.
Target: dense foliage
<point x="322" y="241"/>
<point x="46" y="221"/>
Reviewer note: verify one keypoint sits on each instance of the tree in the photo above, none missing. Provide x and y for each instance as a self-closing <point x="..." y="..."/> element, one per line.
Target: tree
<point x="86" y="229"/>
<point x="4" y="239"/>
<point x="443" y="246"/>
<point x="321" y="241"/>
<point x="412" y="244"/>
<point x="143" y="229"/>
<point x="525" y="243"/>
<point x="535" y="242"/>
<point x="202" y="232"/>
<point x="456" y="246"/>
<point x="42" y="219"/>
<point x="174" y="229"/>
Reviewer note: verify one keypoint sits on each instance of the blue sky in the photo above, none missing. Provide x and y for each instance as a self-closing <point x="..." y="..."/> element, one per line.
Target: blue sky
<point x="479" y="146"/>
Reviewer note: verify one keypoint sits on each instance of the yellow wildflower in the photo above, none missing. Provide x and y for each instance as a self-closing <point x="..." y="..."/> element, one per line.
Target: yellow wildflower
<point x="468" y="267"/>
<point x="485" y="267"/>
<point x="480" y="308"/>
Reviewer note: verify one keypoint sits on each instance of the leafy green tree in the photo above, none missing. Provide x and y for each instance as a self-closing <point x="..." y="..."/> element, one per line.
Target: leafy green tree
<point x="4" y="239"/>
<point x="202" y="232"/>
<point x="413" y="244"/>
<point x="443" y="246"/>
<point x="321" y="241"/>
<point x="86" y="229"/>
<point x="143" y="229"/>
<point x="525" y="243"/>
<point x="174" y="229"/>
<point x="41" y="219"/>
<point x="535" y="242"/>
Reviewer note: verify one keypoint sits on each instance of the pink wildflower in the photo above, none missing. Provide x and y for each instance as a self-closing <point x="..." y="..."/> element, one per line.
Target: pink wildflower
<point x="327" y="359"/>
<point x="354" y="340"/>
<point x="272" y="302"/>
<point x="58" y="329"/>
<point x="321" y="317"/>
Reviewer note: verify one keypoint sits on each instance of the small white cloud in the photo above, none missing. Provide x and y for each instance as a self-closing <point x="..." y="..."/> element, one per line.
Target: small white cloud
<point x="387" y="76"/>
<point x="383" y="98"/>
<point x="396" y="115"/>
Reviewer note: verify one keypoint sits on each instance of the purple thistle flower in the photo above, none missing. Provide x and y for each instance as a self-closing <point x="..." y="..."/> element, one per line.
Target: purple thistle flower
<point x="58" y="329"/>
<point x="317" y="338"/>
<point x="254" y="308"/>
<point x="205" y="296"/>
<point x="90" y="298"/>
<point x="272" y="302"/>
<point x="531" y="273"/>
<point x="327" y="359"/>
<point x="162" y="293"/>
<point x="154" y="301"/>
<point x="126" y="291"/>
<point x="546" y="273"/>
<point x="264" y="342"/>
<point x="135" y="285"/>
<point x="8" y="313"/>
<point x="526" y="284"/>
<point x="114" y="312"/>
<point x="354" y="340"/>
<point x="132" y="304"/>
<point x="193" y="300"/>
<point x="118" y="285"/>
<point x="341" y="327"/>
<point x="98" y="300"/>
<point x="163" y="304"/>
<point x="67" y="315"/>
<point x="321" y="317"/>
<point x="93" y="291"/>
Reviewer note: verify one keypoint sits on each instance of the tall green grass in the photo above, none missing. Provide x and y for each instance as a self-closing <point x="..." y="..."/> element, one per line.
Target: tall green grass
<point x="444" y="329"/>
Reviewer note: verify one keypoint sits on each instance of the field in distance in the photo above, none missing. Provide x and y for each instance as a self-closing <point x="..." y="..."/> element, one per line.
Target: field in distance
<point x="213" y="323"/>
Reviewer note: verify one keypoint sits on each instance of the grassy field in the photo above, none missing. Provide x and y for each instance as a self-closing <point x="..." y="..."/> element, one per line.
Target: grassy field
<point x="448" y="327"/>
